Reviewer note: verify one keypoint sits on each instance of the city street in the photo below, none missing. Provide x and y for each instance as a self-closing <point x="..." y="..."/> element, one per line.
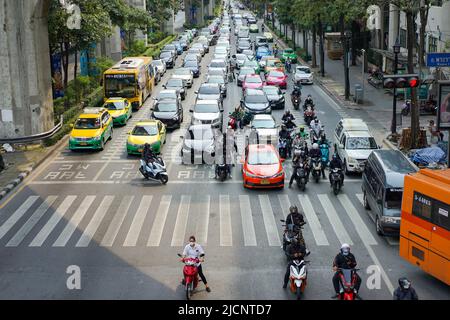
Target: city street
<point x="94" y="210"/>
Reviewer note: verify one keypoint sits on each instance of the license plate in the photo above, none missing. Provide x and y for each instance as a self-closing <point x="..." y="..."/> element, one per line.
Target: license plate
<point x="83" y="144"/>
<point x="265" y="181"/>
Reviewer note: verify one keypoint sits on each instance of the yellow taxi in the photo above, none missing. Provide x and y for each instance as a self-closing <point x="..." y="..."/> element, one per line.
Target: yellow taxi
<point x="152" y="132"/>
<point x="119" y="109"/>
<point x="273" y="64"/>
<point x="91" y="130"/>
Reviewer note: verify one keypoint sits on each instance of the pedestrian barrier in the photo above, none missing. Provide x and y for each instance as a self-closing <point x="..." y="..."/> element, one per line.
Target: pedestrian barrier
<point x="35" y="137"/>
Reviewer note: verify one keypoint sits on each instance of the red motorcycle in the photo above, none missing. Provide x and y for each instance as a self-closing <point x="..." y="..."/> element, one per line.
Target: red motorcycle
<point x="347" y="281"/>
<point x="190" y="272"/>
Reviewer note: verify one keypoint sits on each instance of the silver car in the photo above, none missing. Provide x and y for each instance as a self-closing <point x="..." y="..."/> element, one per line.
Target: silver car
<point x="185" y="74"/>
<point x="207" y="112"/>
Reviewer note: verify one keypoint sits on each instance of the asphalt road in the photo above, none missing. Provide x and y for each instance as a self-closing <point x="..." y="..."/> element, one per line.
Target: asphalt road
<point x="93" y="210"/>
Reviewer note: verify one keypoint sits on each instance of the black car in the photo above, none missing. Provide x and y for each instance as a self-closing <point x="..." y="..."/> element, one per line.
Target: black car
<point x="176" y="84"/>
<point x="194" y="66"/>
<point x="169" y="112"/>
<point x="275" y="96"/>
<point x="251" y="20"/>
<point x="168" y="58"/>
<point x="255" y="102"/>
<point x="221" y="81"/>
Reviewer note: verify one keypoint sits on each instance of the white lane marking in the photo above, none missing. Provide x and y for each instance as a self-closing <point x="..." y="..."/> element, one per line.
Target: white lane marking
<point x="116" y="222"/>
<point x="31" y="222"/>
<point x="95" y="222"/>
<point x="226" y="236"/>
<point x="357" y="221"/>
<point x="335" y="221"/>
<point x="52" y="222"/>
<point x="269" y="221"/>
<point x="180" y="224"/>
<point x="285" y="204"/>
<point x="360" y="198"/>
<point x="74" y="221"/>
<point x="203" y="220"/>
<point x="138" y="222"/>
<point x="313" y="221"/>
<point x="377" y="262"/>
<point x="247" y="221"/>
<point x="12" y="220"/>
<point x="160" y="220"/>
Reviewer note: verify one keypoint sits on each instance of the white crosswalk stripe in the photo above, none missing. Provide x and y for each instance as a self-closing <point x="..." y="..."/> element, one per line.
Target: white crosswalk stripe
<point x="247" y="221"/>
<point x="160" y="220"/>
<point x="138" y="221"/>
<point x="116" y="222"/>
<point x="17" y="215"/>
<point x="335" y="221"/>
<point x="269" y="221"/>
<point x="202" y="224"/>
<point x="225" y="221"/>
<point x="313" y="221"/>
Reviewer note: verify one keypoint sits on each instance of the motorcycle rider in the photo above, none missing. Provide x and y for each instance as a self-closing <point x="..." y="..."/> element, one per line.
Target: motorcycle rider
<point x="288" y="65"/>
<point x="405" y="291"/>
<point x="316" y="153"/>
<point x="296" y="251"/>
<point x="285" y="134"/>
<point x="336" y="163"/>
<point x="344" y="260"/>
<point x="238" y="114"/>
<point x="287" y="115"/>
<point x="194" y="250"/>
<point x="296" y="92"/>
<point x="149" y="156"/>
<point x="308" y="101"/>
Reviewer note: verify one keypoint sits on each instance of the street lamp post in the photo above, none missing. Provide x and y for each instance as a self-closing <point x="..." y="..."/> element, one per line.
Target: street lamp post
<point x="347" y="36"/>
<point x="362" y="69"/>
<point x="394" y="99"/>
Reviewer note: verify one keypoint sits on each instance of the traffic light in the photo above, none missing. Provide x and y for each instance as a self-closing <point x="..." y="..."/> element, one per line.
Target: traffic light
<point x="401" y="81"/>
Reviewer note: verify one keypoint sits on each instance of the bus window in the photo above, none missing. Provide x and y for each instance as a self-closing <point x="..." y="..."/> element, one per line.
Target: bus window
<point x="422" y="206"/>
<point x="441" y="214"/>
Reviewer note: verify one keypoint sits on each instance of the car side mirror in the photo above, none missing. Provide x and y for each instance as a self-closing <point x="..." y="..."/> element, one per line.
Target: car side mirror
<point x="190" y="110"/>
<point x="380" y="146"/>
<point x="196" y="92"/>
<point x="129" y="132"/>
<point x="71" y="125"/>
<point x="164" y="86"/>
<point x="341" y="146"/>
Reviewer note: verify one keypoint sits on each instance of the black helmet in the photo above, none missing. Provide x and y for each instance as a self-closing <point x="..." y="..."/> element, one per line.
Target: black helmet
<point x="404" y="283"/>
<point x="316" y="120"/>
<point x="302" y="129"/>
<point x="293" y="209"/>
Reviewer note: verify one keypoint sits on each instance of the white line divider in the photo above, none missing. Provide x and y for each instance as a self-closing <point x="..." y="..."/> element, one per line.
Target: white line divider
<point x="313" y="221"/>
<point x="138" y="222"/>
<point x="203" y="221"/>
<point x="74" y="221"/>
<point x="12" y="220"/>
<point x="116" y="222"/>
<point x="180" y="224"/>
<point x="360" y="198"/>
<point x="31" y="222"/>
<point x="95" y="222"/>
<point x="226" y="235"/>
<point x="247" y="221"/>
<point x="269" y="221"/>
<point x="357" y="221"/>
<point x="159" y="222"/>
<point x="336" y="223"/>
<point x="53" y="221"/>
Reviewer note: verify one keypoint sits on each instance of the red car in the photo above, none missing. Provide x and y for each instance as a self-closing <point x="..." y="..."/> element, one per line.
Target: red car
<point x="277" y="78"/>
<point x="252" y="81"/>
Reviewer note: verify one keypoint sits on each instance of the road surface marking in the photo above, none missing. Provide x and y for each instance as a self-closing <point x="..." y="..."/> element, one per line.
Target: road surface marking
<point x="31" y="222"/>
<point x="138" y="221"/>
<point x="226" y="236"/>
<point x="357" y="221"/>
<point x="160" y="220"/>
<point x="116" y="222"/>
<point x="360" y="198"/>
<point x="377" y="262"/>
<point x="181" y="222"/>
<point x="53" y="221"/>
<point x="336" y="223"/>
<point x="203" y="220"/>
<point x="247" y="221"/>
<point x="269" y="221"/>
<point x="313" y="221"/>
<point x="17" y="215"/>
<point x="74" y="222"/>
<point x="95" y="222"/>
<point x="284" y="203"/>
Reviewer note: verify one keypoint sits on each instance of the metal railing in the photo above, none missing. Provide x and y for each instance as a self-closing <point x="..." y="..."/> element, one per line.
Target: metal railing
<point x="35" y="137"/>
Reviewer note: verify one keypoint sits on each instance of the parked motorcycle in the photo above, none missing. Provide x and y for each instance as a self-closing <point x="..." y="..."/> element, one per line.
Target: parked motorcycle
<point x="298" y="275"/>
<point x="316" y="168"/>
<point x="375" y="78"/>
<point x="347" y="281"/>
<point x="308" y="115"/>
<point x="336" y="180"/>
<point x="190" y="273"/>
<point x="156" y="173"/>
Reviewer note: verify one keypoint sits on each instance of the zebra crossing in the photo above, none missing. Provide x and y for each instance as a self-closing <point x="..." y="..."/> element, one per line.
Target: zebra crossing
<point x="223" y="220"/>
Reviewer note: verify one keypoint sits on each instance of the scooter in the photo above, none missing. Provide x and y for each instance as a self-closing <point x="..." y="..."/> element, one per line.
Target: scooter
<point x="336" y="181"/>
<point x="316" y="168"/>
<point x="222" y="172"/>
<point x="190" y="273"/>
<point x="347" y="281"/>
<point x="298" y="275"/>
<point x="157" y="174"/>
<point x="283" y="148"/>
<point x="295" y="101"/>
<point x="301" y="177"/>
<point x="308" y="115"/>
<point x="315" y="136"/>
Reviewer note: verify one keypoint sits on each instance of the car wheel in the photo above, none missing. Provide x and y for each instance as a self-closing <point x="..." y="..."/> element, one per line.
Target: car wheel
<point x="346" y="171"/>
<point x="102" y="145"/>
<point x="378" y="227"/>
<point x="366" y="203"/>
<point x="111" y="134"/>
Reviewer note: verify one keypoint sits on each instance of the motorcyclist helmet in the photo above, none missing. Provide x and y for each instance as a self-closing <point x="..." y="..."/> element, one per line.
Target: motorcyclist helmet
<point x="345" y="249"/>
<point x="293" y="209"/>
<point x="302" y="129"/>
<point x="283" y="127"/>
<point x="334" y="156"/>
<point x="404" y="283"/>
<point x="315" y="146"/>
<point x="316" y="120"/>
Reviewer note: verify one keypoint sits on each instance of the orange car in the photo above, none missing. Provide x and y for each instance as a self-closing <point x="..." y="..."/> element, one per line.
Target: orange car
<point x="262" y="167"/>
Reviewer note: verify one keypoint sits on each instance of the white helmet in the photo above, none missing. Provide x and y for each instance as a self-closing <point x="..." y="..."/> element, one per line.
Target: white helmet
<point x="345" y="248"/>
<point x="315" y="146"/>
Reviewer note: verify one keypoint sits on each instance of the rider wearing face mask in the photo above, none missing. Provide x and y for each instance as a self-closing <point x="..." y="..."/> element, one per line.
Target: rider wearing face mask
<point x="194" y="250"/>
<point x="405" y="291"/>
<point x="344" y="260"/>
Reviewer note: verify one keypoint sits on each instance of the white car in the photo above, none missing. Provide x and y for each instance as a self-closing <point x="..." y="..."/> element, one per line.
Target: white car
<point x="266" y="127"/>
<point x="160" y="67"/>
<point x="207" y="112"/>
<point x="303" y="74"/>
<point x="185" y="74"/>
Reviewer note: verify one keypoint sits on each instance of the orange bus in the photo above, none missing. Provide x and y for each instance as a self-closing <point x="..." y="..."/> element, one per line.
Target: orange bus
<point x="425" y="223"/>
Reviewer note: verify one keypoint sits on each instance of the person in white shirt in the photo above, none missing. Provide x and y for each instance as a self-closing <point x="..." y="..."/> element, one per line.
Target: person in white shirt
<point x="194" y="250"/>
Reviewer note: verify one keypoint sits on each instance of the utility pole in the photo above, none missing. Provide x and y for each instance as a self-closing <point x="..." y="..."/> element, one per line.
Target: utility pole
<point x="394" y="99"/>
<point x="347" y="36"/>
<point x="321" y="51"/>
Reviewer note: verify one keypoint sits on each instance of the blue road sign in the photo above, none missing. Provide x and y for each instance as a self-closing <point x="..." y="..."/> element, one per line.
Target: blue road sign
<point x="435" y="59"/>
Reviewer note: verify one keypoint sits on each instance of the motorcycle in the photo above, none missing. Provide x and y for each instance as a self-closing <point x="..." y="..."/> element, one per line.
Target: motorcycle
<point x="316" y="168"/>
<point x="347" y="281"/>
<point x="301" y="177"/>
<point x="222" y="172"/>
<point x="295" y="101"/>
<point x="290" y="232"/>
<point x="425" y="108"/>
<point x="308" y="115"/>
<point x="157" y="174"/>
<point x="283" y="148"/>
<point x="375" y="78"/>
<point x="315" y="136"/>
<point x="336" y="181"/>
<point x="308" y="103"/>
<point x="233" y="123"/>
<point x="298" y="274"/>
<point x="190" y="273"/>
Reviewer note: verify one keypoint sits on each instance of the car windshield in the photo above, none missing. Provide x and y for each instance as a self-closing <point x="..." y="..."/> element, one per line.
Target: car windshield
<point x="157" y="63"/>
<point x="361" y="143"/>
<point x="303" y="70"/>
<point x="256" y="98"/>
<point x="190" y="57"/>
<point x="216" y="72"/>
<point x="246" y="71"/>
<point x="393" y="198"/>
<point x="209" y="90"/>
<point x="191" y="63"/>
<point x="120" y="85"/>
<point x="169" y="47"/>
<point x="253" y="80"/>
<point x="115" y="105"/>
<point x="87" y="123"/>
<point x="166" y="107"/>
<point x="174" y="83"/>
<point x="146" y="130"/>
<point x="221" y="50"/>
<point x="206" y="108"/>
<point x="262" y="158"/>
<point x="217" y="64"/>
<point x="276" y="74"/>
<point x="166" y="95"/>
<point x="245" y="44"/>
<point x="263" y="123"/>
<point x="241" y="57"/>
<point x="271" y="90"/>
<point x="182" y="72"/>
<point x="165" y="54"/>
<point x="219" y="80"/>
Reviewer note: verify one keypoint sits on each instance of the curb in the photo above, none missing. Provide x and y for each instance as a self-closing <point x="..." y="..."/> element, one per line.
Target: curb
<point x="14" y="183"/>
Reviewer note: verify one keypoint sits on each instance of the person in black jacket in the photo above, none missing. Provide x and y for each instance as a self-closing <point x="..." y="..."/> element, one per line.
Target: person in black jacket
<point x="344" y="260"/>
<point x="296" y="251"/>
<point x="405" y="291"/>
<point x="148" y="155"/>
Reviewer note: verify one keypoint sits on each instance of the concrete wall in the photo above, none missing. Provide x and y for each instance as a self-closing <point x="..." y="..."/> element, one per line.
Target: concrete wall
<point x="140" y="4"/>
<point x="169" y="24"/>
<point x="199" y="12"/>
<point x="26" y="105"/>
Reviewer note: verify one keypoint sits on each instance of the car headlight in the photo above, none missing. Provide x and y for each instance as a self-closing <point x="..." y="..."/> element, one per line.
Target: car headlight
<point x="250" y="175"/>
<point x="97" y="138"/>
<point x="389" y="220"/>
<point x="278" y="175"/>
<point x="351" y="160"/>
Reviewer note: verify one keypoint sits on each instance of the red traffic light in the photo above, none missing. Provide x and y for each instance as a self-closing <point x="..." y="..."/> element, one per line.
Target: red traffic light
<point x="401" y="81"/>
<point x="413" y="82"/>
